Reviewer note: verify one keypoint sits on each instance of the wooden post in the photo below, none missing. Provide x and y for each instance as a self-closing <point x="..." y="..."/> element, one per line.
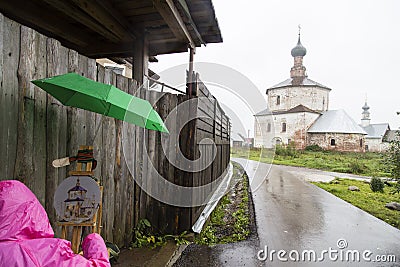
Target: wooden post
<point x="190" y="73"/>
<point x="141" y="59"/>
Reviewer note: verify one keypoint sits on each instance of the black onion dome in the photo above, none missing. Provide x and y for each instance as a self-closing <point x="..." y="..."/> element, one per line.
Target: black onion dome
<point x="299" y="50"/>
<point x="365" y="107"/>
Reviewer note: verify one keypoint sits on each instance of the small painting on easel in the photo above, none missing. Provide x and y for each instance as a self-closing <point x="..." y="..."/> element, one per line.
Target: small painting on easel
<point x="77" y="199"/>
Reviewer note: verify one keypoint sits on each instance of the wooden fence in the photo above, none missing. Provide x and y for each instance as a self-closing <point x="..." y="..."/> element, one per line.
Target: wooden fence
<point x="36" y="129"/>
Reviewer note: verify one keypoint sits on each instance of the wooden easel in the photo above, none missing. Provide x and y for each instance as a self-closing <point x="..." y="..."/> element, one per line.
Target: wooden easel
<point x="94" y="224"/>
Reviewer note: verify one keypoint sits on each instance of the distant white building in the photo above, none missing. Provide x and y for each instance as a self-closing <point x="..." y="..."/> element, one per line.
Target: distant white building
<point x="378" y="135"/>
<point x="298" y="113"/>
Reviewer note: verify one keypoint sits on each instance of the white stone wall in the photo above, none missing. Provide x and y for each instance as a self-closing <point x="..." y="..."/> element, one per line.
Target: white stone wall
<point x="376" y="145"/>
<point x="263" y="137"/>
<point x="343" y="141"/>
<point x="313" y="97"/>
<point x="297" y="125"/>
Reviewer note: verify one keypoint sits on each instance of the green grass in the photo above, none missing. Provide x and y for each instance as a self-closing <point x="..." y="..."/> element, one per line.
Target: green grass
<point x="230" y="220"/>
<point x="368" y="164"/>
<point x="365" y="199"/>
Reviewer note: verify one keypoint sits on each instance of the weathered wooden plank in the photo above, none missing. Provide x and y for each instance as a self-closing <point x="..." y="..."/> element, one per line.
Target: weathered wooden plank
<point x="139" y="158"/>
<point x="39" y="131"/>
<point x="53" y="129"/>
<point x="9" y="92"/>
<point x="107" y="165"/>
<point x="81" y="127"/>
<point x="205" y="114"/>
<point x="77" y="117"/>
<point x="98" y="145"/>
<point x="23" y="164"/>
<point x="2" y="103"/>
<point x="153" y="167"/>
<point x="171" y="151"/>
<point x="91" y="117"/>
<point x="184" y="177"/>
<point x="149" y="154"/>
<point x="143" y="140"/>
<point x="29" y="122"/>
<point x="72" y="142"/>
<point x="162" y="167"/>
<point x="62" y="68"/>
<point x="129" y="156"/>
<point x="207" y="105"/>
<point x="120" y="176"/>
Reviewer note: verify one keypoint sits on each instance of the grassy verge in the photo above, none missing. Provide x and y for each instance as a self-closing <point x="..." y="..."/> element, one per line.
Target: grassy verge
<point x="230" y="220"/>
<point x="365" y="199"/>
<point x="368" y="164"/>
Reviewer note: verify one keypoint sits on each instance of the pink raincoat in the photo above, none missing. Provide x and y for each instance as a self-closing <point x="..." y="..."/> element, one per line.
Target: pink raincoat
<point x="27" y="239"/>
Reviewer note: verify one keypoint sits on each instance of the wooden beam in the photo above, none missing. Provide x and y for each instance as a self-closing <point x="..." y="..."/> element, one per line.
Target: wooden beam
<point x="146" y="18"/>
<point x="109" y="49"/>
<point x="167" y="48"/>
<point x="125" y="49"/>
<point x="117" y="14"/>
<point x="78" y="15"/>
<point x="170" y="14"/>
<point x="154" y="23"/>
<point x="163" y="41"/>
<point x="139" y="11"/>
<point x="162" y="37"/>
<point x="133" y="4"/>
<point x="41" y="19"/>
<point x="109" y="18"/>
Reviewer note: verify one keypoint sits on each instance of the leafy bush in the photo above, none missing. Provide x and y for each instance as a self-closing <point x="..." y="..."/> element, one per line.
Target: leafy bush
<point x="288" y="150"/>
<point x="357" y="167"/>
<point x="392" y="157"/>
<point x="143" y="236"/>
<point x="377" y="185"/>
<point x="315" y="148"/>
<point x="396" y="188"/>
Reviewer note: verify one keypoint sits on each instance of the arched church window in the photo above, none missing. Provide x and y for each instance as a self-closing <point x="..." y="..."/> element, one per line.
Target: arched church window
<point x="278" y="100"/>
<point x="269" y="127"/>
<point x="283" y="127"/>
<point x="333" y="142"/>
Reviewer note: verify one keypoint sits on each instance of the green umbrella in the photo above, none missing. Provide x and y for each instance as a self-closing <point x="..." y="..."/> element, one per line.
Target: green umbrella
<point x="74" y="90"/>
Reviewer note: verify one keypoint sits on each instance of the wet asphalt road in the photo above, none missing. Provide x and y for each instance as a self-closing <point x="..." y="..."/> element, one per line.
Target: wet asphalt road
<point x="293" y="215"/>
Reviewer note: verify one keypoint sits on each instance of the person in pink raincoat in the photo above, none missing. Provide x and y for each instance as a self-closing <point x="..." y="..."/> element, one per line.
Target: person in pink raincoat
<point x="27" y="239"/>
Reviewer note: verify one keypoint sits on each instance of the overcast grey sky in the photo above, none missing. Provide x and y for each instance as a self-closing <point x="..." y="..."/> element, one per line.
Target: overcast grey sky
<point x="353" y="47"/>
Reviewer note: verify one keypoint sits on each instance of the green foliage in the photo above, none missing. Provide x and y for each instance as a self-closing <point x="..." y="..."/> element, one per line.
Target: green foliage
<point x="289" y="150"/>
<point x="143" y="236"/>
<point x="314" y="148"/>
<point x="230" y="220"/>
<point x="376" y="185"/>
<point x="392" y="158"/>
<point x="396" y="189"/>
<point x="364" y="199"/>
<point x="357" y="167"/>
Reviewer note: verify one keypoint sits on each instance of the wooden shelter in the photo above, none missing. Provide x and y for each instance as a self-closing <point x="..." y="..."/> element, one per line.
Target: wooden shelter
<point x="58" y="36"/>
<point x="120" y="28"/>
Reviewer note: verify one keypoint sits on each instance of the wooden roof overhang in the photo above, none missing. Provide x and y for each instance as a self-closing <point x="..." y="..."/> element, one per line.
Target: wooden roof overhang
<point x="110" y="28"/>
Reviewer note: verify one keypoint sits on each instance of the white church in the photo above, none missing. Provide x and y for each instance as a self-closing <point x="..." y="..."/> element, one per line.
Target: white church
<point x="298" y="113"/>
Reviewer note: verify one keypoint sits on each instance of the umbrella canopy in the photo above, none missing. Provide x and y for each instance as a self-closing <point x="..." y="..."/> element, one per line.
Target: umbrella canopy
<point x="74" y="90"/>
